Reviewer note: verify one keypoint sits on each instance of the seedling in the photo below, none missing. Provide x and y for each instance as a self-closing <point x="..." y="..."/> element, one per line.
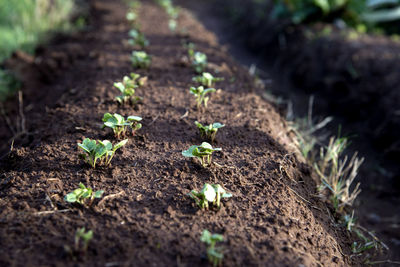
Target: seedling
<point x="103" y="151"/>
<point x="209" y="193"/>
<point x="200" y="94"/>
<point x="209" y="131"/>
<point x="207" y="79"/>
<point x="83" y="194"/>
<point x="190" y="49"/>
<point x="199" y="62"/>
<point x="138" y="38"/>
<point x="202" y="152"/>
<point x="140" y="59"/>
<point x="215" y="255"/>
<point x="127" y="88"/>
<point x="82" y="239"/>
<point x="119" y="125"/>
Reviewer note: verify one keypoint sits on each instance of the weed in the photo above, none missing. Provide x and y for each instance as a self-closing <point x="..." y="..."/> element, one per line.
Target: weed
<point x="209" y="194"/>
<point x="202" y="152"/>
<point x="103" y="151"/>
<point x="200" y="94"/>
<point x="119" y="125"/>
<point x="83" y="194"/>
<point x="207" y="79"/>
<point x="209" y="131"/>
<point x="140" y="59"/>
<point x="337" y="175"/>
<point x="215" y="255"/>
<point x="127" y="88"/>
<point x="138" y="39"/>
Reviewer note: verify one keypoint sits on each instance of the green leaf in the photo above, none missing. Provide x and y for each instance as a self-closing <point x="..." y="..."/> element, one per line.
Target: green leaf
<point x="206" y="237"/>
<point x="206" y="145"/>
<point x="209" y="192"/>
<point x="98" y="193"/>
<point x="209" y="90"/>
<point x="189" y="153"/>
<point x="134" y="118"/>
<point x="120" y="144"/>
<point x="120" y="86"/>
<point x="217" y="125"/>
<point x="71" y="197"/>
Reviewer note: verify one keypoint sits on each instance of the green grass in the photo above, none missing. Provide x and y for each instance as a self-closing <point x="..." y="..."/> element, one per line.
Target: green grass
<point x="26" y="23"/>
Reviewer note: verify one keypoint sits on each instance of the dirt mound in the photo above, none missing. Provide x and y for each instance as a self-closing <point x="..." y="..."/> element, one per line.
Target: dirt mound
<point x="273" y="218"/>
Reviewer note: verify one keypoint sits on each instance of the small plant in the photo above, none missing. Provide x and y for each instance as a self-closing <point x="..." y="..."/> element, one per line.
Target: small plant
<point x="202" y="152"/>
<point x="83" y="194"/>
<point x="103" y="151"/>
<point x="209" y="194"/>
<point x="207" y="79"/>
<point x="140" y="59"/>
<point x="215" y="255"/>
<point x="138" y="38"/>
<point x="199" y="61"/>
<point x="82" y="239"/>
<point x="119" y="125"/>
<point x="127" y="88"/>
<point x="173" y="13"/>
<point x="200" y="94"/>
<point x="209" y="131"/>
<point x="190" y="49"/>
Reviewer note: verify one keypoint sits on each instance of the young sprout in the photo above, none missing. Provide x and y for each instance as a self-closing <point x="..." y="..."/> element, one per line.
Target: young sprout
<point x="138" y="38"/>
<point x="131" y="16"/>
<point x="199" y="62"/>
<point x="215" y="255"/>
<point x="103" y="151"/>
<point x="202" y="152"/>
<point x="140" y="59"/>
<point x="207" y="79"/>
<point x="209" y="193"/>
<point x="82" y="239"/>
<point x="120" y="125"/>
<point x="83" y="194"/>
<point x="200" y="94"/>
<point x="209" y="131"/>
<point x="127" y="88"/>
<point x="190" y="49"/>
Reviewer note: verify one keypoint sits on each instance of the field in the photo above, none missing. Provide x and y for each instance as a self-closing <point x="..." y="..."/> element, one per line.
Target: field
<point x="144" y="215"/>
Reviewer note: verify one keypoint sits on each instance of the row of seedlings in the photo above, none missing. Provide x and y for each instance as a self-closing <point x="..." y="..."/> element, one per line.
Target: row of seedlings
<point x="97" y="152"/>
<point x="210" y="195"/>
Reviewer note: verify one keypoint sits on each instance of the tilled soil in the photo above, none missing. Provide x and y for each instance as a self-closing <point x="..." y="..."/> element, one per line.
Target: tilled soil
<point x="145" y="217"/>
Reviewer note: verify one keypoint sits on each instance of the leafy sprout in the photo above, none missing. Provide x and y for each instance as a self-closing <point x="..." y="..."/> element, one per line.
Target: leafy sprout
<point x="207" y="79"/>
<point x="190" y="49"/>
<point x="138" y="38"/>
<point x="209" y="194"/>
<point x="199" y="61"/>
<point x="83" y="194"/>
<point x="209" y="131"/>
<point x="202" y="152"/>
<point x="215" y="255"/>
<point x="127" y="88"/>
<point x="82" y="239"/>
<point x="103" y="151"/>
<point x="173" y="13"/>
<point x="200" y="94"/>
<point x="119" y="125"/>
<point x="140" y="59"/>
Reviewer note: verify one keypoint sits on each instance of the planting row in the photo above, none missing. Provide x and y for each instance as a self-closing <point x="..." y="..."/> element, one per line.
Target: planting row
<point x="101" y="152"/>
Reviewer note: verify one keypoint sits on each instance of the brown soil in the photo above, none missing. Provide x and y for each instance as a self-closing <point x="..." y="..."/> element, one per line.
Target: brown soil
<point x="273" y="219"/>
<point x="353" y="79"/>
